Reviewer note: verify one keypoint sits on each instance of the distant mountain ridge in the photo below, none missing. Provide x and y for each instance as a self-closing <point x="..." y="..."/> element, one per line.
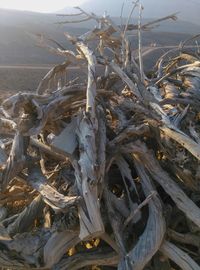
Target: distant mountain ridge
<point x="188" y="9"/>
<point x="17" y="46"/>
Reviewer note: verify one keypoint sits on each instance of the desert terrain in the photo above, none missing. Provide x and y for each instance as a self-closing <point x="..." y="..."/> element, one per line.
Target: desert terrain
<point x="23" y="62"/>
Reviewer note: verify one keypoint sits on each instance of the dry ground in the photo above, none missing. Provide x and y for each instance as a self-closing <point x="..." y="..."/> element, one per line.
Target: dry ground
<point x="25" y="78"/>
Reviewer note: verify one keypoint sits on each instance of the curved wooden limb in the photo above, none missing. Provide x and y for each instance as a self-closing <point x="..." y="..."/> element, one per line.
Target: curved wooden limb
<point x="88" y="258"/>
<point x="27" y="217"/>
<point x="51" y="196"/>
<point x="188" y="238"/>
<point x="182" y="259"/>
<point x="182" y="139"/>
<point x="183" y="202"/>
<point x="151" y="239"/>
<point x="16" y="160"/>
<point x="57" y="245"/>
<point x="44" y="82"/>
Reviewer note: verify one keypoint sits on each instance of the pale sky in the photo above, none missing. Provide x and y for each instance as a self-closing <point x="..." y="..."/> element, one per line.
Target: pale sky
<point x="39" y="5"/>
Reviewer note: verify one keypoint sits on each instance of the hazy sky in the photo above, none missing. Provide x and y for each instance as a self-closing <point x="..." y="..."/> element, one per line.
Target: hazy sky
<point x="39" y="5"/>
<point x="188" y="9"/>
<point x="55" y="5"/>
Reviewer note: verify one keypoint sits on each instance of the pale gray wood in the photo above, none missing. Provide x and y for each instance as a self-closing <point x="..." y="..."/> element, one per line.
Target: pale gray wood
<point x="57" y="245"/>
<point x="66" y="141"/>
<point x="27" y="217"/>
<point x="79" y="261"/>
<point x="183" y="202"/>
<point x="152" y="238"/>
<point x="182" y="259"/>
<point x="51" y="196"/>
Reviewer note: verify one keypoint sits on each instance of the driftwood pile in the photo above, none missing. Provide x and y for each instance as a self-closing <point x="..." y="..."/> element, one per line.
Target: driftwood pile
<point x="103" y="172"/>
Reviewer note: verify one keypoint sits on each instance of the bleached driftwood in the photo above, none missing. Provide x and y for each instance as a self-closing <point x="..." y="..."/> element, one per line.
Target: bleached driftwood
<point x="103" y="170"/>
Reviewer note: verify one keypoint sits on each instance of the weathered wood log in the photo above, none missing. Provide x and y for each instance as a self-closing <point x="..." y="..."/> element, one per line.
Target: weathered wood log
<point x="89" y="173"/>
<point x="181" y="258"/>
<point x="182" y="201"/>
<point x="151" y="239"/>
<point x="16" y="160"/>
<point x="78" y="261"/>
<point x="50" y="195"/>
<point x="57" y="245"/>
<point x="27" y="217"/>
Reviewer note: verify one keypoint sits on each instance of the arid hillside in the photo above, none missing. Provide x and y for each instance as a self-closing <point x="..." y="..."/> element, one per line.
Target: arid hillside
<point x="19" y="46"/>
